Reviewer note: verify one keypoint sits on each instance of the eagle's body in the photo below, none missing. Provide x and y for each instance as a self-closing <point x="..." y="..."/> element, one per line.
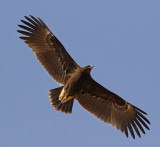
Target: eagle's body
<point x="77" y="82"/>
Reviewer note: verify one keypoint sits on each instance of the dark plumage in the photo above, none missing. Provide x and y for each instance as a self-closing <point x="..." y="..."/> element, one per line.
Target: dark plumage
<point x="77" y="82"/>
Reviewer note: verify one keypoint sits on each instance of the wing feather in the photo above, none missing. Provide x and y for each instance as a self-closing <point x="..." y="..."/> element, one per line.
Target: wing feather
<point x="112" y="109"/>
<point x="48" y="49"/>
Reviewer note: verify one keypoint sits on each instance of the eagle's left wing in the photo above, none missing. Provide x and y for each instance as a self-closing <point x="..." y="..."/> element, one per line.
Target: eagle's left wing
<point x="48" y="49"/>
<point x="112" y="109"/>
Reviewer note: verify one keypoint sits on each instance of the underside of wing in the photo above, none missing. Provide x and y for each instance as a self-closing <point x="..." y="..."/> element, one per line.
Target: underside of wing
<point x="112" y="109"/>
<point x="48" y="49"/>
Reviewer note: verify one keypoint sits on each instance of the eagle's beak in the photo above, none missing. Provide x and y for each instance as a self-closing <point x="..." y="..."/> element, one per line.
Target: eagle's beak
<point x="91" y="66"/>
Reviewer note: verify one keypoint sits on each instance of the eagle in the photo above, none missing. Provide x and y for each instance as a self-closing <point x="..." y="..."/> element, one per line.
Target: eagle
<point x="77" y="83"/>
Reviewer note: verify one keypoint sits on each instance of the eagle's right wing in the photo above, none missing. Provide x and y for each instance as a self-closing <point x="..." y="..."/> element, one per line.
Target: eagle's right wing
<point x="112" y="109"/>
<point x="48" y="49"/>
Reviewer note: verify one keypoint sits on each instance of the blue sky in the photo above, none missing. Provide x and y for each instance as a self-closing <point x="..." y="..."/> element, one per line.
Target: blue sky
<point x="119" y="37"/>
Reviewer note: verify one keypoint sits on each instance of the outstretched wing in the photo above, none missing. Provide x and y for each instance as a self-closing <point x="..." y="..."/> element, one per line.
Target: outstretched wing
<point x="112" y="109"/>
<point x="48" y="49"/>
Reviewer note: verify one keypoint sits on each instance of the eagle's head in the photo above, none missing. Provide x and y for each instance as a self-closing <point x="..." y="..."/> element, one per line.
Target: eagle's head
<point x="88" y="68"/>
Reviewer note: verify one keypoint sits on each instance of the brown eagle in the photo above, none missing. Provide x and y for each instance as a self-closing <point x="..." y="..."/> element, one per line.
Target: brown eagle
<point x="77" y="82"/>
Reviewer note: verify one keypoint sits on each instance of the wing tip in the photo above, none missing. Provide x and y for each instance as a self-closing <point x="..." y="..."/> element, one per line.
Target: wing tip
<point x="140" y="110"/>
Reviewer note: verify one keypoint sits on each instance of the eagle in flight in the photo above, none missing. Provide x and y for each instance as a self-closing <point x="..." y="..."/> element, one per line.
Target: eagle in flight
<point x="77" y="83"/>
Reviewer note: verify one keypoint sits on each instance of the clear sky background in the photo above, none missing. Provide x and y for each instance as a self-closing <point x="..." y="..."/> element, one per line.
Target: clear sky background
<point x="121" y="38"/>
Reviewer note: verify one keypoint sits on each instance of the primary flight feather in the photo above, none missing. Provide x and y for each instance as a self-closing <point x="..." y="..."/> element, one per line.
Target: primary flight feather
<point x="77" y="83"/>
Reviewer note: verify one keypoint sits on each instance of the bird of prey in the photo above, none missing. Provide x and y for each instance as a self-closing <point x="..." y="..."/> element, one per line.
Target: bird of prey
<point x="77" y="83"/>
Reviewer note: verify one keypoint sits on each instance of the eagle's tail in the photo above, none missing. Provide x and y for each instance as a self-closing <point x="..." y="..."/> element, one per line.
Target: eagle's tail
<point x="56" y="103"/>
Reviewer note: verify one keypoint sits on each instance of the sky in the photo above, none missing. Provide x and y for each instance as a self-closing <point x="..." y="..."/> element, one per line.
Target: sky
<point x="119" y="37"/>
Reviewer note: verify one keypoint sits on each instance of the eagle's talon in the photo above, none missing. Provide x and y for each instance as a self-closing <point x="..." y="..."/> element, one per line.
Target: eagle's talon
<point x="65" y="99"/>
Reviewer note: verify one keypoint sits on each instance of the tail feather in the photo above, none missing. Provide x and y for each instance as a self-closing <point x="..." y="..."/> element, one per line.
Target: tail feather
<point x="56" y="103"/>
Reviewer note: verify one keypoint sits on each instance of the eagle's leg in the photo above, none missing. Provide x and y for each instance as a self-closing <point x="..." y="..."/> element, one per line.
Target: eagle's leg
<point x="64" y="97"/>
